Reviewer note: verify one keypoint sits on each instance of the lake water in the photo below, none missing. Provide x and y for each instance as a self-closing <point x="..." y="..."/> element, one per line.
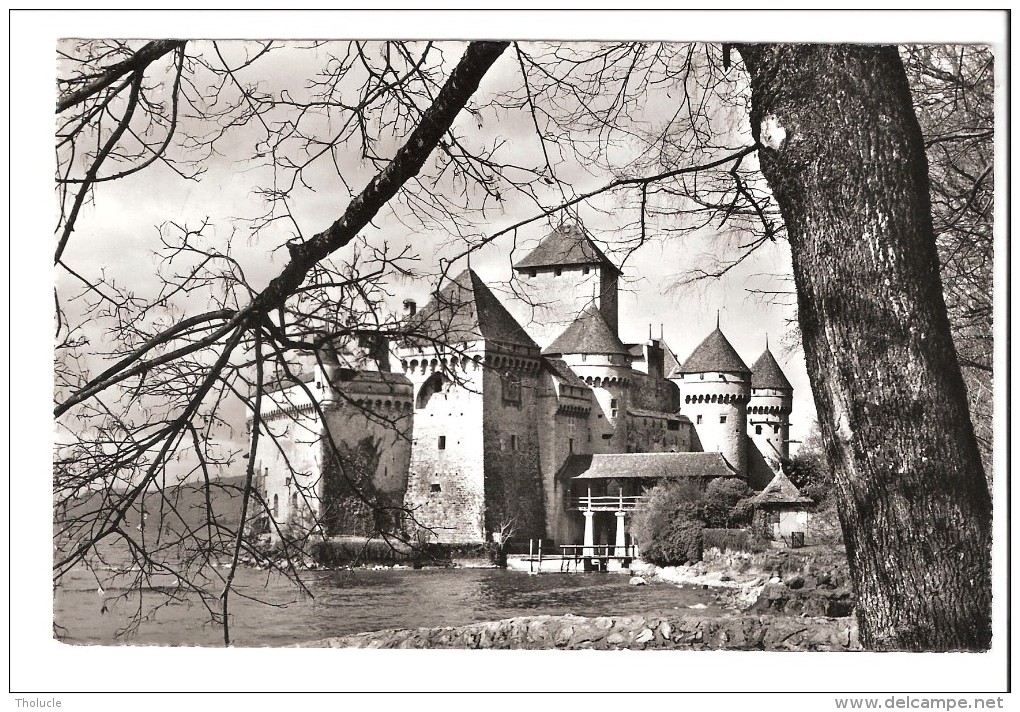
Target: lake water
<point x="344" y="602"/>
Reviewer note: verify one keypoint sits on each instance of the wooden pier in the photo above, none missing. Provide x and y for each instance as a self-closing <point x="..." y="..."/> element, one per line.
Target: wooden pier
<point x="581" y="557"/>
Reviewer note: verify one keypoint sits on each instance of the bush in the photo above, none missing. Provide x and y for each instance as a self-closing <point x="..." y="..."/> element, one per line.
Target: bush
<point x="734" y="540"/>
<point x="669" y="527"/>
<point x="680" y="543"/>
<point x="725" y="503"/>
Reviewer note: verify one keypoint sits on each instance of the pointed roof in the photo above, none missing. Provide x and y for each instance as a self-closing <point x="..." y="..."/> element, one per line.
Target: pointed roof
<point x="780" y="491"/>
<point x="561" y="370"/>
<point x="715" y="353"/>
<point x="766" y="373"/>
<point x="566" y="245"/>
<point x="589" y="334"/>
<point x="669" y="361"/>
<point x="467" y="310"/>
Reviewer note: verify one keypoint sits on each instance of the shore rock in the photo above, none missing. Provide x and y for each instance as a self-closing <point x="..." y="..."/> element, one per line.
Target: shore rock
<point x="749" y="632"/>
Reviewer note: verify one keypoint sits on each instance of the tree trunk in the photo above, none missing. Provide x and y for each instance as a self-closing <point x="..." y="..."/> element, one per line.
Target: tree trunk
<point x="843" y="154"/>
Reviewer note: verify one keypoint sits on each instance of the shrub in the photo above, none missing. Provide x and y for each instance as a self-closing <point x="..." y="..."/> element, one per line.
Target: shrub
<point x="725" y="502"/>
<point x="734" y="540"/>
<point x="669" y="527"/>
<point x="680" y="543"/>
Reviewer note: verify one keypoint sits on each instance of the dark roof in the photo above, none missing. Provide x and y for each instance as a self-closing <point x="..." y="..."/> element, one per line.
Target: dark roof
<point x="669" y="362"/>
<point x="646" y="413"/>
<point x="715" y="353"/>
<point x="561" y="370"/>
<point x="466" y="310"/>
<point x="377" y="377"/>
<point x="766" y="373"/>
<point x="589" y="334"/>
<point x="566" y="245"/>
<point x="780" y="491"/>
<point x="651" y="465"/>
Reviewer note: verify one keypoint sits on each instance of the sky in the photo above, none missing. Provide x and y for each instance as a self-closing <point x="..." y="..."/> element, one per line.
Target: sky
<point x="686" y="320"/>
<point x="118" y="232"/>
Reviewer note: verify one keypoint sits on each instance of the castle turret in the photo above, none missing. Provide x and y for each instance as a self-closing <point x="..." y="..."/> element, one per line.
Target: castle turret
<point x="592" y="350"/>
<point x="560" y="278"/>
<point x="715" y="387"/>
<point x="768" y="413"/>
<point x="475" y="455"/>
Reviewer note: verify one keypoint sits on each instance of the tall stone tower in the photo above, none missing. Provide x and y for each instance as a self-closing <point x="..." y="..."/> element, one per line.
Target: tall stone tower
<point x="560" y="278"/>
<point x="768" y="412"/>
<point x="475" y="454"/>
<point x="715" y="387"/>
<point x="591" y="348"/>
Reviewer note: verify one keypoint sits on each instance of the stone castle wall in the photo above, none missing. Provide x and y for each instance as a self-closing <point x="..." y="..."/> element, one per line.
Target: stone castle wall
<point x="514" y="495"/>
<point x="289" y="465"/>
<point x="365" y="477"/>
<point x="563" y="431"/>
<point x="554" y="297"/>
<point x="445" y="484"/>
<point x="648" y="433"/>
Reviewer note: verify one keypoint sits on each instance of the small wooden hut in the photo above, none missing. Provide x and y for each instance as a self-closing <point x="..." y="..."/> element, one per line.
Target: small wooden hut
<point x="781" y="513"/>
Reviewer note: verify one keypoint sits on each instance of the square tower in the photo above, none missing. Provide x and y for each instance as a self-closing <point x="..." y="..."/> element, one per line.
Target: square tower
<point x="565" y="274"/>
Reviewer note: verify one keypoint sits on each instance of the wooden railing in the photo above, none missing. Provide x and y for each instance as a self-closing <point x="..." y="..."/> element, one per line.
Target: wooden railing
<point x="607" y="503"/>
<point x="603" y="551"/>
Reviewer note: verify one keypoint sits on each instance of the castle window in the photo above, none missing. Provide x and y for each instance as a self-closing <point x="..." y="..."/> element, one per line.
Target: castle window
<point x="513" y="442"/>
<point x="442" y="442"/>
<point x="293" y="502"/>
<point x="435" y="487"/>
<point x="613" y="406"/>
<point x="722" y="418"/>
<point x="673" y="425"/>
<point x="699" y="420"/>
<point x="757" y="430"/>
<point x="558" y="271"/>
<point x="532" y="272"/>
<point x="586" y="270"/>
<point x="775" y="428"/>
<point x="570" y="444"/>
<point x="702" y="375"/>
<point x="511" y="388"/>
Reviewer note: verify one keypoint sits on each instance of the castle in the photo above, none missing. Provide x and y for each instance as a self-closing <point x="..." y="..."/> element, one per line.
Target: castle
<point x="473" y="425"/>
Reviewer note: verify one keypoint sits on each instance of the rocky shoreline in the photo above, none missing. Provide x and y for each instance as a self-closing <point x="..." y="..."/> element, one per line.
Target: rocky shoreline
<point x="569" y="632"/>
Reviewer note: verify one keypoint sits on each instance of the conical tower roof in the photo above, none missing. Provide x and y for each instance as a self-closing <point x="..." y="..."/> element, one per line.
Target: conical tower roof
<point x="566" y="245"/>
<point x="715" y="353"/>
<point x="467" y="310"/>
<point x="766" y="373"/>
<point x="780" y="491"/>
<point x="589" y="334"/>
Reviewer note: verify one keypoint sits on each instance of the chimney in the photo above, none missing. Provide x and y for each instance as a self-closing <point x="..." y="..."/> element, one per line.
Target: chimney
<point x="410" y="307"/>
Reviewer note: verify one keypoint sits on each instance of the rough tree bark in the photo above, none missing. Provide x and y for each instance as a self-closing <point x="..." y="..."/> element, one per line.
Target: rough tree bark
<point x="843" y="154"/>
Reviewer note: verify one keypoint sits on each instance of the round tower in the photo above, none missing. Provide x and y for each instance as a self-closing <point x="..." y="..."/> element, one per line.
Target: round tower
<point x="715" y="387"/>
<point x="593" y="351"/>
<point x="768" y="412"/>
